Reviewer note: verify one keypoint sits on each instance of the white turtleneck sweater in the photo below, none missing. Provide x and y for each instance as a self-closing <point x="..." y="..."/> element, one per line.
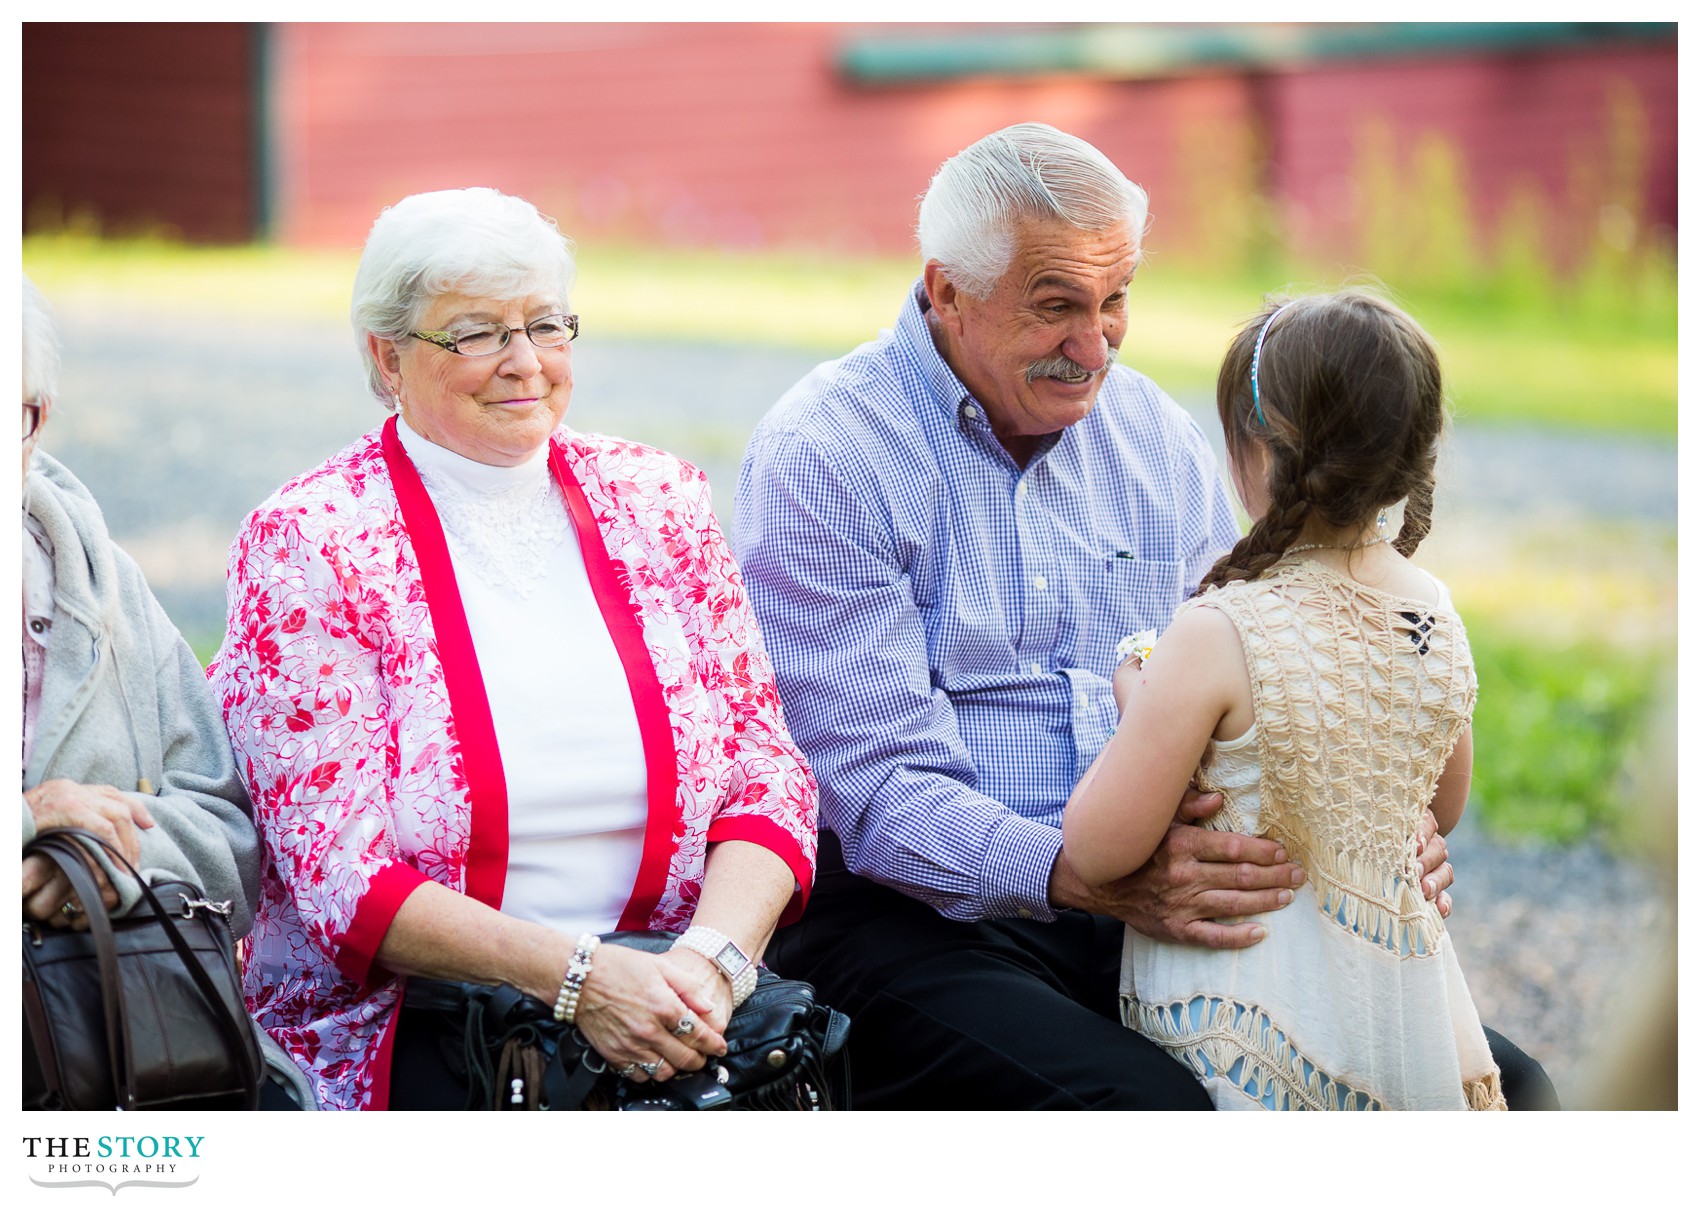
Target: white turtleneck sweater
<point x="565" y="723"/>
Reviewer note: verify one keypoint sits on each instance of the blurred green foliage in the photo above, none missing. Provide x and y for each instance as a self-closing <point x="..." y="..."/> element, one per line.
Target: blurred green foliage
<point x="1561" y="308"/>
<point x="1552" y="728"/>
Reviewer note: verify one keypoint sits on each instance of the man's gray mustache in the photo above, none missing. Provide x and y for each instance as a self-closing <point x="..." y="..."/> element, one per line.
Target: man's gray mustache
<point x="1062" y="366"/>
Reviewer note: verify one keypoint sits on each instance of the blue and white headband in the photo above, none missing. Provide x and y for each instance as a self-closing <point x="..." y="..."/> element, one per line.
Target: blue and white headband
<point x="1257" y="355"/>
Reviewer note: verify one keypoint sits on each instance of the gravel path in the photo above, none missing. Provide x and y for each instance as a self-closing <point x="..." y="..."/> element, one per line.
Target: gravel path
<point x="179" y="429"/>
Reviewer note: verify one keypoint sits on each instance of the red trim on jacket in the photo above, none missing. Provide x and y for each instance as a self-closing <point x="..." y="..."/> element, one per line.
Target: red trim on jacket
<point x="357" y="947"/>
<point x="610" y="582"/>
<point x="770" y="836"/>
<point x="469" y="706"/>
<point x="380" y="1099"/>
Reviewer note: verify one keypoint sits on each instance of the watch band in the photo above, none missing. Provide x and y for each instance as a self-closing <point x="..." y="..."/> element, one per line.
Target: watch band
<point x="738" y="968"/>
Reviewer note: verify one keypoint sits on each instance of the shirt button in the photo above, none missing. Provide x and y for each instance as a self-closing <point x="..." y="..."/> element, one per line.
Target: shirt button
<point x="1024" y="912"/>
<point x="1021" y="490"/>
<point x="1039" y="581"/>
<point x="1035" y="669"/>
<point x="1080" y="701"/>
<point x="968" y="410"/>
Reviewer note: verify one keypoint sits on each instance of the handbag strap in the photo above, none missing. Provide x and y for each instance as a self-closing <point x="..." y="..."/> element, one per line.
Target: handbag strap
<point x="73" y="861"/>
<point x="236" y="1037"/>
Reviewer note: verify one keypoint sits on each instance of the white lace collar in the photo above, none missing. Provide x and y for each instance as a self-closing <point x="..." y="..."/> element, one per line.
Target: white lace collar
<point x="503" y="524"/>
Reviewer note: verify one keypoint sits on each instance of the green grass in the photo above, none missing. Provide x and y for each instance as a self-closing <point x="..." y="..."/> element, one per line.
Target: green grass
<point x="1510" y="355"/>
<point x="1573" y="629"/>
<point x="1552" y="728"/>
<point x="204" y="646"/>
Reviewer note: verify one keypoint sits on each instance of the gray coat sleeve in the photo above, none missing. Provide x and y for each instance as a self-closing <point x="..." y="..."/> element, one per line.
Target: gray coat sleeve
<point x="204" y="830"/>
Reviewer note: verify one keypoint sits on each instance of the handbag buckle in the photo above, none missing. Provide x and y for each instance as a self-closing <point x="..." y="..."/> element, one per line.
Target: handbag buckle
<point x="190" y="904"/>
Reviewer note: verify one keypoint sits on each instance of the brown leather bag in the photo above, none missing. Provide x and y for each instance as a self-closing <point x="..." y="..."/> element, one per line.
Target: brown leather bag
<point x="142" y="1012"/>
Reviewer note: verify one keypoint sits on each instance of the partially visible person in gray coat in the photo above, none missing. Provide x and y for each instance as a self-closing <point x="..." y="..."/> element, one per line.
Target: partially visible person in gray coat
<point x="121" y="733"/>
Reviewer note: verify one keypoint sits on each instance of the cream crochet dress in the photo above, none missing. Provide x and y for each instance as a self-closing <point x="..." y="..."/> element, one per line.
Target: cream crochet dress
<point x="1354" y="999"/>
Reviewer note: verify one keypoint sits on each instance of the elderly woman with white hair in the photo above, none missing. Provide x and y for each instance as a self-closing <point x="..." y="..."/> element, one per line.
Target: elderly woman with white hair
<point x="495" y="689"/>
<point x="121" y="735"/>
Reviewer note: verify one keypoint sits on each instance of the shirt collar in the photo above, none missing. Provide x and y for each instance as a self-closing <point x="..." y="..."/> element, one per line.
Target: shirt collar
<point x="913" y="328"/>
<point x="948" y="390"/>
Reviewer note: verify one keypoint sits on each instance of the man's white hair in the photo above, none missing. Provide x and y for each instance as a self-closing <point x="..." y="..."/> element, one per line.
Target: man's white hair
<point x="969" y="212"/>
<point x="41" y="346"/>
<point x="476" y="241"/>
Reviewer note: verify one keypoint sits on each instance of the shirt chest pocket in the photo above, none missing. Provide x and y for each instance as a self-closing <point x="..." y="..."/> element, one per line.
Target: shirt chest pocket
<point x="1128" y="594"/>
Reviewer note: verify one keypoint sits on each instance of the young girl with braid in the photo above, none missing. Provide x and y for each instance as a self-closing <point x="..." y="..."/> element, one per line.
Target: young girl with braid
<point x="1322" y="682"/>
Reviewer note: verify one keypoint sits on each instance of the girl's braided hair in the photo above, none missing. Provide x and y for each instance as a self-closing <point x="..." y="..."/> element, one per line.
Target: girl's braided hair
<point x="1352" y="411"/>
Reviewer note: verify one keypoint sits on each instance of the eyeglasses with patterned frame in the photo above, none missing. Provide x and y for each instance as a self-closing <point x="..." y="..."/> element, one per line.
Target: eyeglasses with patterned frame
<point x="482" y="340"/>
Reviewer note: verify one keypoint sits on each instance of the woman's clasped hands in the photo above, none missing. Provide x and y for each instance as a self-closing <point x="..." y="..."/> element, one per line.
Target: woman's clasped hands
<point x="653" y="1016"/>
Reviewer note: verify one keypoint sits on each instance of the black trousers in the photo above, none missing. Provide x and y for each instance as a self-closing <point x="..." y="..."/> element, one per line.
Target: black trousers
<point x="428" y="1065"/>
<point x="999" y="1015"/>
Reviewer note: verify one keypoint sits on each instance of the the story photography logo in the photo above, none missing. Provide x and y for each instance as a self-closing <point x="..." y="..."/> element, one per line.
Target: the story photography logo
<point x="113" y="1161"/>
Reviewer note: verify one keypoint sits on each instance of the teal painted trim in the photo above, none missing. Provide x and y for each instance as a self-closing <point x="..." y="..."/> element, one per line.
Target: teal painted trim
<point x="262" y="137"/>
<point x="1134" y="52"/>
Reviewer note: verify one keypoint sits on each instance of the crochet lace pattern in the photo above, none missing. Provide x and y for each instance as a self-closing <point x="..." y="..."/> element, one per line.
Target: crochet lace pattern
<point x="1344" y="677"/>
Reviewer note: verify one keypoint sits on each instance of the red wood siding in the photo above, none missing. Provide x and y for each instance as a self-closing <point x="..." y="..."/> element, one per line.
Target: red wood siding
<point x="1540" y="120"/>
<point x="736" y="134"/>
<point x="146" y="126"/>
<point x="747" y="135"/>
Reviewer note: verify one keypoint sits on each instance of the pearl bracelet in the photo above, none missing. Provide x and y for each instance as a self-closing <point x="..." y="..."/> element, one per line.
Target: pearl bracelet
<point x="572" y="984"/>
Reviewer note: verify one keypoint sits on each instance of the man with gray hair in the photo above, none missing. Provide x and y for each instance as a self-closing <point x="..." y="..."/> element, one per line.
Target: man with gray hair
<point x="945" y="534"/>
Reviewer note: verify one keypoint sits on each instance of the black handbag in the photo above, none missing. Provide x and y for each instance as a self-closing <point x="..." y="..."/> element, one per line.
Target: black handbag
<point x="784" y="1051"/>
<point x="143" y="1012"/>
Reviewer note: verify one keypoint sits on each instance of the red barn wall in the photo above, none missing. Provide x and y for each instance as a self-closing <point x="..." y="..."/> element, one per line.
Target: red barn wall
<point x="748" y="135"/>
<point x="712" y="134"/>
<point x="145" y="126"/>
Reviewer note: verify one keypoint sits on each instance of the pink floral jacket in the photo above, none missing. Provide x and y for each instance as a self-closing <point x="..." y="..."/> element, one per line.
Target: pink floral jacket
<point x="357" y="714"/>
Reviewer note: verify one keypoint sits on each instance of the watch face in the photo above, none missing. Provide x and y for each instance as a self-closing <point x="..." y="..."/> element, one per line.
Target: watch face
<point x="730" y="959"/>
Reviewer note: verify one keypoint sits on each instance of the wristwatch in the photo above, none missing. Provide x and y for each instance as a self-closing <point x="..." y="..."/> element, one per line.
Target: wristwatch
<point x="738" y="968"/>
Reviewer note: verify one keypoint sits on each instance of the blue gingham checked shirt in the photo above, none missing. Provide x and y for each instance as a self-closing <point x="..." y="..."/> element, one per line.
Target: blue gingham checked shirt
<point x="944" y="622"/>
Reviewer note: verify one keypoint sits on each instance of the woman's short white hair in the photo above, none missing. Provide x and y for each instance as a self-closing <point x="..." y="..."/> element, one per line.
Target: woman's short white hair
<point x="41" y="346"/>
<point x="969" y="212"/>
<point x="476" y="241"/>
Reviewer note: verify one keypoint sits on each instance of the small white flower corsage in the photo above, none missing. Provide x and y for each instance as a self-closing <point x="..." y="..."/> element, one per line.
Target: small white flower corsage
<point x="1139" y="645"/>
